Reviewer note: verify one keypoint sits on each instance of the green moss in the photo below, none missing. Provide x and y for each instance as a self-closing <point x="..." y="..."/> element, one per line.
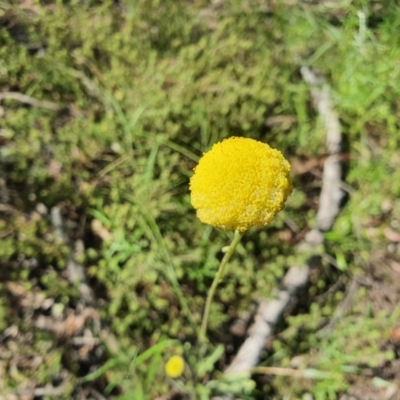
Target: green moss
<point x="142" y="93"/>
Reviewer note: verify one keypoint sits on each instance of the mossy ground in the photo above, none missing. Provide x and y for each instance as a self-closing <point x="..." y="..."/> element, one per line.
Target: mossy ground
<point x="105" y="109"/>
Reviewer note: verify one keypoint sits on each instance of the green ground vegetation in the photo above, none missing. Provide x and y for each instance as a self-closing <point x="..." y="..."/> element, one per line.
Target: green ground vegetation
<point x="138" y="90"/>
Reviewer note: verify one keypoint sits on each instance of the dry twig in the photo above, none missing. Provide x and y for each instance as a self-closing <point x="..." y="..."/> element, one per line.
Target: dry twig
<point x="23" y="98"/>
<point x="75" y="271"/>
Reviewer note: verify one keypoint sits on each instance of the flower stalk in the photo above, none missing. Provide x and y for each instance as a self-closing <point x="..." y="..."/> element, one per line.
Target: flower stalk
<point x="228" y="254"/>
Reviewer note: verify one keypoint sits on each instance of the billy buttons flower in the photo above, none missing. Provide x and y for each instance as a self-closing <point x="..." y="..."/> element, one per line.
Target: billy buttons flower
<point x="175" y="366"/>
<point x="240" y="183"/>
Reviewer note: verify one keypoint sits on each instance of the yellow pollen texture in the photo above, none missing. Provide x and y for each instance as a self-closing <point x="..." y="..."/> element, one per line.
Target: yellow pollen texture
<point x="240" y="183"/>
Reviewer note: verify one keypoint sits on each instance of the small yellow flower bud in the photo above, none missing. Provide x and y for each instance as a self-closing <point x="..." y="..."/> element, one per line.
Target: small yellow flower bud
<point x="175" y="366"/>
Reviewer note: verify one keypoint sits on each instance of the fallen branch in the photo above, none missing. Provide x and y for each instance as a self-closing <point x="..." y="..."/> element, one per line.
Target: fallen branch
<point x="270" y="311"/>
<point x="268" y="314"/>
<point x="331" y="192"/>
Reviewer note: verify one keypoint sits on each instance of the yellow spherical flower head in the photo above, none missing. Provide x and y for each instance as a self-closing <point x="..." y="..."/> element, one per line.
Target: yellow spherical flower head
<point x="240" y="183"/>
<point x="175" y="366"/>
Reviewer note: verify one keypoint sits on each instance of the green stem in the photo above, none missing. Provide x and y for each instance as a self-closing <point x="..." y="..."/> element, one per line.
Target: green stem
<point x="217" y="278"/>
